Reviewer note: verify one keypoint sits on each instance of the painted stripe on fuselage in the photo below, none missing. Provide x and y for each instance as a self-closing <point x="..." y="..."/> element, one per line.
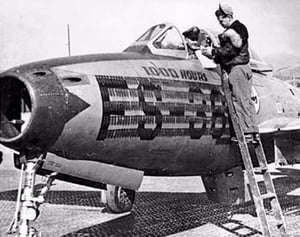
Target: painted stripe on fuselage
<point x="150" y="107"/>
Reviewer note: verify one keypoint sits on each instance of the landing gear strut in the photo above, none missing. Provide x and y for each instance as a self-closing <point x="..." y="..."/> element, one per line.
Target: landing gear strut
<point x="27" y="207"/>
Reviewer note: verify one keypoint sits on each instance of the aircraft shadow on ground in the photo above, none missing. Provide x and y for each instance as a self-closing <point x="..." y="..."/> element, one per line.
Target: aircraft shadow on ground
<point x="162" y="213"/>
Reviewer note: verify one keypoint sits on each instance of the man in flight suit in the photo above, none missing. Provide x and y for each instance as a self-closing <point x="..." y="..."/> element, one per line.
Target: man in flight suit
<point x="233" y="57"/>
<point x="195" y="39"/>
<point x="191" y="37"/>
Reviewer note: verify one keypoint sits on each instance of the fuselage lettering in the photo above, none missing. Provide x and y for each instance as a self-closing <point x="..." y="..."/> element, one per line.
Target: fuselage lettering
<point x="171" y="72"/>
<point x="193" y="75"/>
<point x="161" y="71"/>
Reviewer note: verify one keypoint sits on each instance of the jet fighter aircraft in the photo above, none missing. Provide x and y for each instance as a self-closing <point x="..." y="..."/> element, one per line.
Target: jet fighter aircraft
<point x="105" y="120"/>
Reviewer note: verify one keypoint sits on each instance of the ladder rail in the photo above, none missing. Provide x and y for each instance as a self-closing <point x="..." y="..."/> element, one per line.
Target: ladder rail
<point x="246" y="157"/>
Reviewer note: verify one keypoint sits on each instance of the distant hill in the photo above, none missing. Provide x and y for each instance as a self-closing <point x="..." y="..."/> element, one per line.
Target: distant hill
<point x="282" y="61"/>
<point x="286" y="67"/>
<point x="288" y="73"/>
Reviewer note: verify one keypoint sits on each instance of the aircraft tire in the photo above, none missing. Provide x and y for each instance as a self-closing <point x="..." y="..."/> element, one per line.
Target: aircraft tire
<point x="119" y="199"/>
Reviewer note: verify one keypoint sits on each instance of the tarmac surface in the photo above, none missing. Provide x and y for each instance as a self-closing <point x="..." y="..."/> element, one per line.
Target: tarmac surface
<point x="163" y="207"/>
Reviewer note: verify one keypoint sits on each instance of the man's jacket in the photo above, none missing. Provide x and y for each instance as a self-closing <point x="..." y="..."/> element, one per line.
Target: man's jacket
<point x="227" y="55"/>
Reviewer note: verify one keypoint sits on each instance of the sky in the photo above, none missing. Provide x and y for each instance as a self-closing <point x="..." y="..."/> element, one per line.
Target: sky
<point x="32" y="30"/>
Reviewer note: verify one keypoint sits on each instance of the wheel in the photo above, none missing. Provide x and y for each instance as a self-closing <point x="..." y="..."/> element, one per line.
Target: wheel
<point x="119" y="199"/>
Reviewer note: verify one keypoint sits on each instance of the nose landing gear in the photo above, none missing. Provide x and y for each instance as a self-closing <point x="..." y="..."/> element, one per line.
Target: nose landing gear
<point x="27" y="206"/>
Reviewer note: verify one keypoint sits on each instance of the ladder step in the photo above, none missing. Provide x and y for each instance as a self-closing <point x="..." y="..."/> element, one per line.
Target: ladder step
<point x="248" y="139"/>
<point x="252" y="138"/>
<point x="268" y="196"/>
<point x="260" y="170"/>
<point x="280" y="224"/>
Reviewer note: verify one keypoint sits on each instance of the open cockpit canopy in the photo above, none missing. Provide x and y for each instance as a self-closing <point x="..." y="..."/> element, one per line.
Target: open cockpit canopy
<point x="162" y="39"/>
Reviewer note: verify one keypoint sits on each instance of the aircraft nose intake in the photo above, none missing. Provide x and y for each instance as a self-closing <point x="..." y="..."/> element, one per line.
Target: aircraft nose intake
<point x="32" y="109"/>
<point x="15" y="107"/>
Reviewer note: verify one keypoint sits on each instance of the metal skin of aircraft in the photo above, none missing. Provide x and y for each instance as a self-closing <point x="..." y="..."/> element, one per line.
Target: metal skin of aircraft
<point x="105" y="120"/>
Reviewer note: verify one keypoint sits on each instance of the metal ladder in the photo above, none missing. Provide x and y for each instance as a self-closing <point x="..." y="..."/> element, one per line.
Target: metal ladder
<point x="258" y="197"/>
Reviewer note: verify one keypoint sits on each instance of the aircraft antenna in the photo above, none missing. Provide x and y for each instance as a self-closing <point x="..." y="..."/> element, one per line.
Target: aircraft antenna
<point x="69" y="40"/>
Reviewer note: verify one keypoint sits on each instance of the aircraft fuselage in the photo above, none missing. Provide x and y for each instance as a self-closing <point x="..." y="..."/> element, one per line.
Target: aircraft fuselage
<point x="161" y="115"/>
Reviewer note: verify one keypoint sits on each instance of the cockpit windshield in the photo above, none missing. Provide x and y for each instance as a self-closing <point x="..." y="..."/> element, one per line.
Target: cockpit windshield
<point x="149" y="34"/>
<point x="162" y="39"/>
<point x="169" y="40"/>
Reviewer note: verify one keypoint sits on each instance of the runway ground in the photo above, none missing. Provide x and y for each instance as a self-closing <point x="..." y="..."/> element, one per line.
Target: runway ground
<point x="163" y="207"/>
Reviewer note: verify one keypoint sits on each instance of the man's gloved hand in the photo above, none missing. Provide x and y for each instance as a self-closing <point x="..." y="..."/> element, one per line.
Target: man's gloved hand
<point x="207" y="51"/>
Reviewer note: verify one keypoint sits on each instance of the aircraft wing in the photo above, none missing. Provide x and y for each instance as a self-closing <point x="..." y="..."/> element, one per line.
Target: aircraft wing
<point x="280" y="125"/>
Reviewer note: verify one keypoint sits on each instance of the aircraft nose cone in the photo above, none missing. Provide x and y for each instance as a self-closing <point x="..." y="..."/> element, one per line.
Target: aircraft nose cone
<point x="34" y="109"/>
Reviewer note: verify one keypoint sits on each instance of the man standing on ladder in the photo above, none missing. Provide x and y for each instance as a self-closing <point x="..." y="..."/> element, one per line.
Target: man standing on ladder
<point x="233" y="57"/>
